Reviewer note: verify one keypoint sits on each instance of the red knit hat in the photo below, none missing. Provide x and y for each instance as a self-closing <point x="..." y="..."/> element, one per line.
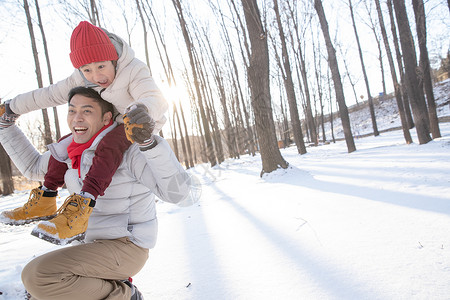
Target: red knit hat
<point x="90" y="44"/>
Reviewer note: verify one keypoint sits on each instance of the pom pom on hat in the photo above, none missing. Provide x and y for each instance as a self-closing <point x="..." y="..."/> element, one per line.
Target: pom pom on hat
<point x="90" y="44"/>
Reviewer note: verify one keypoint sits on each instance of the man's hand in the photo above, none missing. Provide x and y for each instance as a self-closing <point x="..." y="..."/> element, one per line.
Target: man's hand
<point x="7" y="116"/>
<point x="139" y="126"/>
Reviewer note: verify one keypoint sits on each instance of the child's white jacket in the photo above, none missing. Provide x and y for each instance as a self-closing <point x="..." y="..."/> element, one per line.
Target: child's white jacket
<point x="133" y="83"/>
<point x="127" y="209"/>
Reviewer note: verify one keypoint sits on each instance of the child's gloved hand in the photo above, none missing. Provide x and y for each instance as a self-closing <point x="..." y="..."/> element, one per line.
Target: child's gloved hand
<point x="7" y="116"/>
<point x="139" y="126"/>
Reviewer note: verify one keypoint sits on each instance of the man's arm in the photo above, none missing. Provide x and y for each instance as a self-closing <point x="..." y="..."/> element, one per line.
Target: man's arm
<point x="160" y="171"/>
<point x="154" y="163"/>
<point x="27" y="159"/>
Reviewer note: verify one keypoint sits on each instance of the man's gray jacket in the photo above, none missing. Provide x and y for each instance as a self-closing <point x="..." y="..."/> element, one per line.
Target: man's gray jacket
<point x="127" y="209"/>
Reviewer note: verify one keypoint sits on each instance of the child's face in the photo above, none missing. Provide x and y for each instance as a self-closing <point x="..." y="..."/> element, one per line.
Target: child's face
<point x="101" y="73"/>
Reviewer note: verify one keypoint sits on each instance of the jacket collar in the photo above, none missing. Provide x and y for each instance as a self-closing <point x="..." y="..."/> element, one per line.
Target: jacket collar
<point x="59" y="150"/>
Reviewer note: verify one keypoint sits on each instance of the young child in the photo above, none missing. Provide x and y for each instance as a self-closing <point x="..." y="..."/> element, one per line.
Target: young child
<point x="104" y="62"/>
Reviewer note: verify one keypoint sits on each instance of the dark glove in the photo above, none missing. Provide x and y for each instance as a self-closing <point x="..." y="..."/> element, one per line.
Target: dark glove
<point x="7" y="116"/>
<point x="139" y="127"/>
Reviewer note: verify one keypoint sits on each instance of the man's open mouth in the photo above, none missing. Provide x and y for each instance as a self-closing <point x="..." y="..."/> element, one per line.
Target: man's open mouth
<point x="80" y="129"/>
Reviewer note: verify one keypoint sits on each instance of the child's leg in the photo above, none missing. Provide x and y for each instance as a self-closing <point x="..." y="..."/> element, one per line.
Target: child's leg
<point x="107" y="159"/>
<point x="41" y="204"/>
<point x="108" y="156"/>
<point x="54" y="178"/>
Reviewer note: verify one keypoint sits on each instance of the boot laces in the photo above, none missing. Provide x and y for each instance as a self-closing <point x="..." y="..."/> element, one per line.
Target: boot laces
<point x="77" y="206"/>
<point x="32" y="198"/>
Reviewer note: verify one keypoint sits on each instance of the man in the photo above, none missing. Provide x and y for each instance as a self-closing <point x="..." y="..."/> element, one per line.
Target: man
<point x="122" y="226"/>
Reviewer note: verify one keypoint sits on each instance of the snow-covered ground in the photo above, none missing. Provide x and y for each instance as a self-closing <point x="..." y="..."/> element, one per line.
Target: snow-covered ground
<point x="372" y="224"/>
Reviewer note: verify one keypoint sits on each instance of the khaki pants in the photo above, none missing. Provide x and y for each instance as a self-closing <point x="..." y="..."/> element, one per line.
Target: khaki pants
<point x="87" y="271"/>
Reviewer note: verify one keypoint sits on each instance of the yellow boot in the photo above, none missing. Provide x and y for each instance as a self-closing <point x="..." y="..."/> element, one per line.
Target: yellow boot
<point x="70" y="224"/>
<point x="41" y="205"/>
<point x="2" y="109"/>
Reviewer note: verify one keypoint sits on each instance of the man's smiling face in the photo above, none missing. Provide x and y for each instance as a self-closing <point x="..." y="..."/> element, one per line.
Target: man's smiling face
<point x="85" y="118"/>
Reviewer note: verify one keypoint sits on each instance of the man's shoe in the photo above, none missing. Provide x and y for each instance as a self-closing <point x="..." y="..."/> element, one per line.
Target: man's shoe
<point x="135" y="293"/>
<point x="70" y="223"/>
<point x="41" y="205"/>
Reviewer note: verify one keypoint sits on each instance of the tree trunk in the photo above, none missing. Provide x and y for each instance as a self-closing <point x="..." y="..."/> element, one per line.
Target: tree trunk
<point x="419" y="12"/>
<point x="49" y="68"/>
<point x="398" y="94"/>
<point x="347" y="73"/>
<point x="258" y="74"/>
<point x="332" y="62"/>
<point x="398" y="55"/>
<point x="317" y="68"/>
<point x="47" y="132"/>
<point x="308" y="111"/>
<point x="366" y="80"/>
<point x="6" y="172"/>
<point x="183" y="145"/>
<point x="144" y="29"/>
<point x="245" y="54"/>
<point x="247" y="141"/>
<point x="373" y="27"/>
<point x="186" y="134"/>
<point x="95" y="19"/>
<point x="331" y="107"/>
<point x="210" y="108"/>
<point x="289" y="86"/>
<point x="175" y="135"/>
<point x="415" y="93"/>
<point x="189" y="47"/>
<point x="218" y="76"/>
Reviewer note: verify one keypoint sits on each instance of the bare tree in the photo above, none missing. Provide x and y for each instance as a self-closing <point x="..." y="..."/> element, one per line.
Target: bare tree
<point x="173" y="129"/>
<point x="186" y="134"/>
<point x="245" y="54"/>
<point x="398" y="55"/>
<point x="189" y="46"/>
<point x="289" y="87"/>
<point x="310" y="121"/>
<point x="49" y="67"/>
<point x="332" y="62"/>
<point x="347" y="72"/>
<point x="6" y="173"/>
<point x="245" y="140"/>
<point x="331" y="106"/>
<point x="419" y="12"/>
<point x="93" y="13"/>
<point x="363" y="67"/>
<point x="48" y="132"/>
<point x="258" y="76"/>
<point x="183" y="145"/>
<point x="144" y="29"/>
<point x="218" y="77"/>
<point x="320" y="88"/>
<point x="415" y="93"/>
<point x="397" y="89"/>
<point x="371" y="24"/>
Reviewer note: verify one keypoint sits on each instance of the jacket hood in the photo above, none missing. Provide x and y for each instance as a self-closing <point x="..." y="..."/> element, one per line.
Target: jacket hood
<point x="124" y="51"/>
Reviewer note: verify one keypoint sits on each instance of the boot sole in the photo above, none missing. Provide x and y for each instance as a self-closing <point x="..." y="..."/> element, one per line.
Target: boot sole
<point x="57" y="241"/>
<point x="27" y="221"/>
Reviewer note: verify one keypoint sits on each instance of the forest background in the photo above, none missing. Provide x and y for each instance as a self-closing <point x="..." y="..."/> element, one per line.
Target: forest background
<point x="201" y="54"/>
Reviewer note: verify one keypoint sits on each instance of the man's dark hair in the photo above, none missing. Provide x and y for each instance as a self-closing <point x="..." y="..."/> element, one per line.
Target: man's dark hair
<point x="90" y="93"/>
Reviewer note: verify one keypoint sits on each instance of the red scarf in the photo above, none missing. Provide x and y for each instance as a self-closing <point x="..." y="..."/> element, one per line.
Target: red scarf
<point x="75" y="150"/>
